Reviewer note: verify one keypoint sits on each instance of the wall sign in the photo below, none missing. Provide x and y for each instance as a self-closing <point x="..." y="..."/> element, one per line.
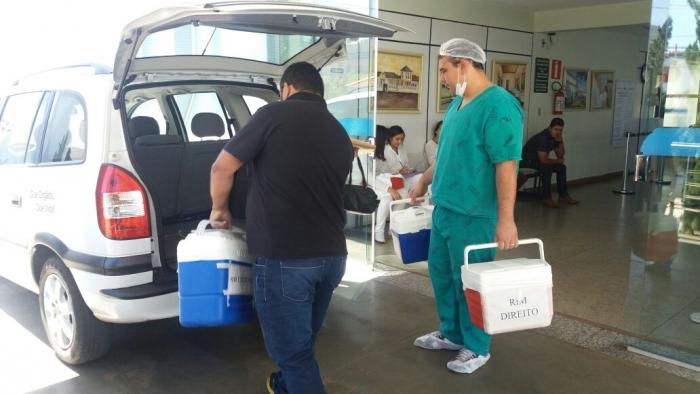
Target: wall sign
<point x="623" y="117"/>
<point x="541" y="75"/>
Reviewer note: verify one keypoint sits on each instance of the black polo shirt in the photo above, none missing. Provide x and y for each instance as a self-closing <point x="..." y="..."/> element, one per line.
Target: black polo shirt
<point x="540" y="142"/>
<point x="301" y="156"/>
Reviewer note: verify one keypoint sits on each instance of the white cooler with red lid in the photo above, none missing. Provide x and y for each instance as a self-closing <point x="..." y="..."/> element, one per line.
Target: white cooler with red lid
<point x="508" y="295"/>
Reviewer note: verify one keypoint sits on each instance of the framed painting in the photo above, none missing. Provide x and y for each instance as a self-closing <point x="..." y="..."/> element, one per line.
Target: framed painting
<point x="602" y="90"/>
<point x="511" y="76"/>
<point x="575" y="89"/>
<point x="399" y="82"/>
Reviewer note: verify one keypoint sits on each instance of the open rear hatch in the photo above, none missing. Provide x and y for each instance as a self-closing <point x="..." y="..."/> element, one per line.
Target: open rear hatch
<point x="228" y="43"/>
<point x="249" y="42"/>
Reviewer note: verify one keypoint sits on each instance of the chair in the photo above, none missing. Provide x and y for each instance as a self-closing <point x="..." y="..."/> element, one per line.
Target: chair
<point x="531" y="173"/>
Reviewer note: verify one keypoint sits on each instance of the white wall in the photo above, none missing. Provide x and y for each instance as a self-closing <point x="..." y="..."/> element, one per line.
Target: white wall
<point x="588" y="134"/>
<point x="413" y="124"/>
<point x="425" y="39"/>
<point x="480" y="12"/>
<point x="590" y="17"/>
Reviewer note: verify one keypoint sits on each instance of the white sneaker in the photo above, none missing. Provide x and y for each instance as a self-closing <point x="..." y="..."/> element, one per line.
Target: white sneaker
<point x="695" y="317"/>
<point x="467" y="361"/>
<point x="436" y="341"/>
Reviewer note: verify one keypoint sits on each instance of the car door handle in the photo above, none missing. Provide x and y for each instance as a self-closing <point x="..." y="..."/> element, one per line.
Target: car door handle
<point x="17" y="201"/>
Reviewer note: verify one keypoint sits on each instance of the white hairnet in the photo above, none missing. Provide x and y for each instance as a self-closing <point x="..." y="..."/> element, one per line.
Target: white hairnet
<point x="463" y="48"/>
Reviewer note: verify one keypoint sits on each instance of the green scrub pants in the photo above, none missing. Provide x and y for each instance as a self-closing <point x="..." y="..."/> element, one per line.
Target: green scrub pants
<point x="450" y="234"/>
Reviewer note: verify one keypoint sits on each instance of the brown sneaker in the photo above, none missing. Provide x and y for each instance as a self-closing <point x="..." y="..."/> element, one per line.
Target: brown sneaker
<point x="550" y="203"/>
<point x="568" y="200"/>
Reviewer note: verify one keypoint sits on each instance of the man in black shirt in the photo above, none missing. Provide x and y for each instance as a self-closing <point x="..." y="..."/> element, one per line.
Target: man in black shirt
<point x="301" y="156"/>
<point x="536" y="155"/>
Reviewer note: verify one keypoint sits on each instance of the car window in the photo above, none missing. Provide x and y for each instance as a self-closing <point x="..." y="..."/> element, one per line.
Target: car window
<point x="254" y="103"/>
<point x="199" y="40"/>
<point x="191" y="105"/>
<point x="33" y="146"/>
<point x="16" y="126"/>
<point x="66" y="134"/>
<point x="151" y="108"/>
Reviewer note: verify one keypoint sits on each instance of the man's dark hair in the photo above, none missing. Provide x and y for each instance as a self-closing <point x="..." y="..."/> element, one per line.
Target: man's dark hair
<point x="303" y="76"/>
<point x="556" y="122"/>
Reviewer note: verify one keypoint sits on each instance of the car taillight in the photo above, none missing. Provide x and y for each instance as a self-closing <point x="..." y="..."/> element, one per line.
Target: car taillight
<point x="122" y="205"/>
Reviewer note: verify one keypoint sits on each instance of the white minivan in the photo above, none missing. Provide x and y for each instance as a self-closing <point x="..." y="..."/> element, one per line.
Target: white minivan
<point x="103" y="172"/>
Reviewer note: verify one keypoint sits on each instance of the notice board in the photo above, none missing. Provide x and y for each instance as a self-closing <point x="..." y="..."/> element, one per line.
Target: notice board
<point x="623" y="118"/>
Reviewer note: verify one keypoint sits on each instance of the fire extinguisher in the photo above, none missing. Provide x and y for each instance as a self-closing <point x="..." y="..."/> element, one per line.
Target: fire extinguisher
<point x="558" y="105"/>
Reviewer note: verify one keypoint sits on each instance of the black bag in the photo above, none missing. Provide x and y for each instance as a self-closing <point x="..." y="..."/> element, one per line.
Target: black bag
<point x="359" y="198"/>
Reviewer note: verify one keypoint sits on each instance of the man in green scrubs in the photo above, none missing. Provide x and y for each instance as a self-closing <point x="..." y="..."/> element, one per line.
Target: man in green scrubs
<point x="474" y="179"/>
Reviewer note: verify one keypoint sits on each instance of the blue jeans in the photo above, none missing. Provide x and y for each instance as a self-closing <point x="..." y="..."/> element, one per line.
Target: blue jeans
<point x="291" y="298"/>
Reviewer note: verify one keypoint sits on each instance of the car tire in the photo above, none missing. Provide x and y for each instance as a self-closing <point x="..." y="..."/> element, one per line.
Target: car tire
<point x="73" y="331"/>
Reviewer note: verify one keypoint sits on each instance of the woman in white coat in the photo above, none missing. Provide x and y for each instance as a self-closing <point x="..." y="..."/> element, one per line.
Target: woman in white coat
<point x="391" y="160"/>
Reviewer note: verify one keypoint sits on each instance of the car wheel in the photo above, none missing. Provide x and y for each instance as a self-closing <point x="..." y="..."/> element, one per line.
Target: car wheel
<point x="72" y="329"/>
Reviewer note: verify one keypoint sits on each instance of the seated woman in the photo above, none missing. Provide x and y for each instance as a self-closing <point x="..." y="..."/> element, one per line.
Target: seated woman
<point x="390" y="153"/>
<point x="391" y="161"/>
<point x="430" y="149"/>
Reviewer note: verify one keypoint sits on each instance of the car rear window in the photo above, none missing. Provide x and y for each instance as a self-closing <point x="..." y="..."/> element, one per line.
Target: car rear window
<point x="192" y="107"/>
<point x="191" y="40"/>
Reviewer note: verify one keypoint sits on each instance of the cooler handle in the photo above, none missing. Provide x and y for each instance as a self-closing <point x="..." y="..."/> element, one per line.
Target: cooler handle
<point x="405" y="201"/>
<point x="495" y="245"/>
<point x="202" y="226"/>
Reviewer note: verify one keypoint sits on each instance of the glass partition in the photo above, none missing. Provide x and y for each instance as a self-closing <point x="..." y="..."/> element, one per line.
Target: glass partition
<point x="349" y="91"/>
<point x="662" y="310"/>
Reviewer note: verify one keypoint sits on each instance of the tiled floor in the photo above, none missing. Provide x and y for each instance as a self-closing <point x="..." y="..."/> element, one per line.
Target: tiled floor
<point x="594" y="251"/>
<point x="366" y="344"/>
<point x="364" y="347"/>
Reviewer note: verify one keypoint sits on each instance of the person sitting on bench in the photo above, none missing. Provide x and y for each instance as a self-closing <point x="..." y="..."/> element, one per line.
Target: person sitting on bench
<point x="536" y="155"/>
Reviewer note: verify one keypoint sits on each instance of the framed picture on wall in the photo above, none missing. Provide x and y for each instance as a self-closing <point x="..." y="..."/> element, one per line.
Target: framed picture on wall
<point x="399" y="77"/>
<point x="602" y="90"/>
<point x="575" y="89"/>
<point x="511" y="76"/>
<point x="443" y="94"/>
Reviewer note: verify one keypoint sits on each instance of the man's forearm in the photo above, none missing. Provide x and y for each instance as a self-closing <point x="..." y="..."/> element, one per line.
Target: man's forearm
<point x="221" y="186"/>
<point x="221" y="179"/>
<point x="560" y="151"/>
<point x="551" y="161"/>
<point x="427" y="177"/>
<point x="506" y="180"/>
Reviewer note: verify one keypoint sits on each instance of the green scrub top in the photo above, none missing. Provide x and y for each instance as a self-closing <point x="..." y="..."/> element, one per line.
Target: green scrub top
<point x="486" y="131"/>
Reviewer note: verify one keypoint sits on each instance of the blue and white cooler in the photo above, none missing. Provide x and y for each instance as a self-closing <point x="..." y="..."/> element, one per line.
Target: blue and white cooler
<point x="215" y="278"/>
<point x="410" y="230"/>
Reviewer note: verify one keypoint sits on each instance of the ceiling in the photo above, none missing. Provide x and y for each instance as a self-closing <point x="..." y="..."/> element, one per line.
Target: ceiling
<point x="545" y="5"/>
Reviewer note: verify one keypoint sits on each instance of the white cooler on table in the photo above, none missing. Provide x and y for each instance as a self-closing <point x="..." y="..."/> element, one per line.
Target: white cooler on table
<point x="410" y="230"/>
<point x="508" y="295"/>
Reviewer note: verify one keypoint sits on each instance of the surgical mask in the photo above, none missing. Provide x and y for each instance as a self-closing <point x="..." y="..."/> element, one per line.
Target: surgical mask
<point x="460" y="87"/>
